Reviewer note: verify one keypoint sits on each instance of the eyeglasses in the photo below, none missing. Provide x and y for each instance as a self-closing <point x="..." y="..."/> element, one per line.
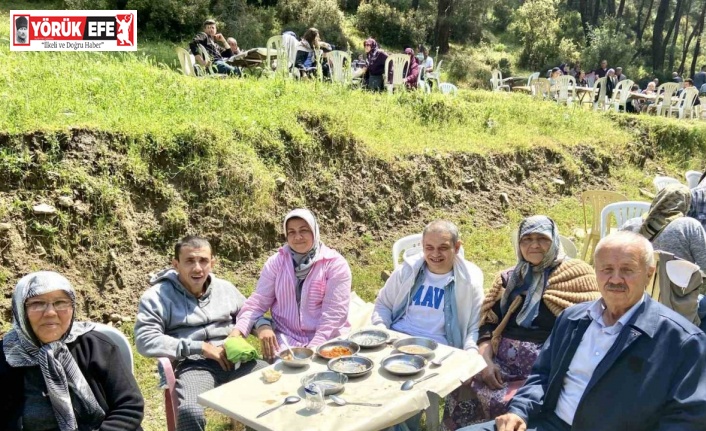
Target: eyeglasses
<point x="542" y="241"/>
<point x="368" y="44"/>
<point x="41" y="306"/>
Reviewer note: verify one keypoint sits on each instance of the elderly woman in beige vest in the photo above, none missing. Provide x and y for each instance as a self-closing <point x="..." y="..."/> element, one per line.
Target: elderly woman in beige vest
<point x="517" y="315"/>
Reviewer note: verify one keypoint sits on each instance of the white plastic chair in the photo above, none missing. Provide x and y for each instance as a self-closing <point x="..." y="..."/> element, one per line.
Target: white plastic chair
<point x="665" y="91"/>
<point x="622" y="212"/>
<point x="621" y="94"/>
<point x="600" y="86"/>
<point x="407" y="247"/>
<point x="532" y="77"/>
<point x="187" y="61"/>
<point x="341" y="67"/>
<point x="436" y="74"/>
<point x="661" y="182"/>
<point x="399" y="63"/>
<point x="448" y="88"/>
<point x="120" y="341"/>
<point x="565" y="86"/>
<point x="684" y="107"/>
<point x="692" y="178"/>
<point x="497" y="82"/>
<point x="278" y="52"/>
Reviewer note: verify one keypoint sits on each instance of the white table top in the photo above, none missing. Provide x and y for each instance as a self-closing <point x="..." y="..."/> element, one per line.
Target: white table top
<point x="245" y="398"/>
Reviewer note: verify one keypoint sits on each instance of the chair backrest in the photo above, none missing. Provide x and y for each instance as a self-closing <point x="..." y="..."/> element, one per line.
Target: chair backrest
<point x="566" y="85"/>
<point x="661" y="182"/>
<point x="278" y="56"/>
<point x="676" y="284"/>
<point x="289" y="44"/>
<point x="187" y="64"/>
<point x="622" y="212"/>
<point x="496" y="79"/>
<point x="591" y="79"/>
<point x="207" y="58"/>
<point x="437" y="69"/>
<point x="171" y="400"/>
<point x="448" y="88"/>
<point x="399" y="64"/>
<point x="540" y="88"/>
<point x="687" y="98"/>
<point x="692" y="178"/>
<point x="532" y="77"/>
<point x="407" y="246"/>
<point x="600" y="83"/>
<point x="120" y="341"/>
<point x="667" y="91"/>
<point x="622" y="91"/>
<point x="341" y="67"/>
<point x="597" y="200"/>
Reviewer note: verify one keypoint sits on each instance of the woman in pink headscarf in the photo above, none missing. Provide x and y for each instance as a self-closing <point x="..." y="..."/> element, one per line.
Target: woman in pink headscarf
<point x="412" y="73"/>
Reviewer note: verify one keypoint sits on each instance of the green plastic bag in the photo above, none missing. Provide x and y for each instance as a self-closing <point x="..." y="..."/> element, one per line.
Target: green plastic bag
<point x="239" y="350"/>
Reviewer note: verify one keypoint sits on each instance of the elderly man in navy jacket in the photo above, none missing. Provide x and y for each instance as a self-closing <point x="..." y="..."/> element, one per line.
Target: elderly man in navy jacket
<point x="621" y="363"/>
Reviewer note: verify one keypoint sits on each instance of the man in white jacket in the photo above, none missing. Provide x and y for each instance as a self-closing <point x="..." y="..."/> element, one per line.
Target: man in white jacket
<point x="437" y="296"/>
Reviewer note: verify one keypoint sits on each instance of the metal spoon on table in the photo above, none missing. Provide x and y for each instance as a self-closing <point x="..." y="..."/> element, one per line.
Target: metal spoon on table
<point x="341" y="402"/>
<point x="286" y="344"/>
<point x="437" y="362"/>
<point x="410" y="383"/>
<point x="293" y="399"/>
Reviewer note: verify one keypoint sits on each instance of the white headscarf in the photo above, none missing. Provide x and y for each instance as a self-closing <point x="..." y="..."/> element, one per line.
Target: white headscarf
<point x="304" y="261"/>
<point x="68" y="391"/>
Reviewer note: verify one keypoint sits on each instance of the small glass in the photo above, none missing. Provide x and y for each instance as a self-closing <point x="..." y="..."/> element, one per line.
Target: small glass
<point x="315" y="401"/>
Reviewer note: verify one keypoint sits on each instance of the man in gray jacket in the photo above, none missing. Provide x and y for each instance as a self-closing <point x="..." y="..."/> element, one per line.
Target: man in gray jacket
<point x="186" y="316"/>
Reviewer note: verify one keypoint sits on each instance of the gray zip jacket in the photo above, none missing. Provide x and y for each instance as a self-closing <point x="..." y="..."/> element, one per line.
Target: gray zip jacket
<point x="173" y="323"/>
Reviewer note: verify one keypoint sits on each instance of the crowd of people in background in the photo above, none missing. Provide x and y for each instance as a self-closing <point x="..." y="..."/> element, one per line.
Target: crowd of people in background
<point x="369" y="67"/>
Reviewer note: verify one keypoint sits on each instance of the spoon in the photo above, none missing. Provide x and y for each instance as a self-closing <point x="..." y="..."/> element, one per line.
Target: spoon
<point x="341" y="402"/>
<point x="289" y="400"/>
<point x="437" y="362"/>
<point x="286" y="344"/>
<point x="410" y="383"/>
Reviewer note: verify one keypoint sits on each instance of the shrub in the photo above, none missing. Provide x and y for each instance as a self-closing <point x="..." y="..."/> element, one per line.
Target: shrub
<point x="250" y="25"/>
<point x="607" y="43"/>
<point x="173" y="19"/>
<point x="298" y="15"/>
<point x="389" y="25"/>
<point x="537" y="26"/>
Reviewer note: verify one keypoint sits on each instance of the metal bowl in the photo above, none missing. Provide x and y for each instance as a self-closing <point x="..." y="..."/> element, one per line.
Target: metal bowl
<point x="330" y="381"/>
<point x="302" y="357"/>
<point x="419" y="346"/>
<point x="353" y="347"/>
<point x="403" y="365"/>
<point x="352" y="366"/>
<point x="370" y="338"/>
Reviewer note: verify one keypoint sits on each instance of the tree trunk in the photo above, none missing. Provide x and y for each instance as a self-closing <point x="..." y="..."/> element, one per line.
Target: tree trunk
<point x="621" y="8"/>
<point x="687" y="45"/>
<point x="674" y="32"/>
<point x="674" y="24"/>
<point x="610" y="7"/>
<point x="442" y="30"/>
<point x="697" y="48"/>
<point x="596" y="12"/>
<point x="641" y="30"/>
<point x="585" y="19"/>
<point x="658" y="36"/>
<point x="415" y="5"/>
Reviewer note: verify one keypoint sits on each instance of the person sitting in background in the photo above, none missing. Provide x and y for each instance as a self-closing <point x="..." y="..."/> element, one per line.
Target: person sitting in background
<point x="634" y="105"/>
<point x="186" y="316"/>
<point x="207" y="39"/>
<point x="619" y="74"/>
<point x="602" y="70"/>
<point x="438" y="295"/>
<point x="624" y="346"/>
<point x="667" y="228"/>
<point x="581" y="80"/>
<point x="411" y="73"/>
<point x="374" y="68"/>
<point x="676" y="78"/>
<point x="306" y="55"/>
<point x="575" y="70"/>
<point x="305" y="285"/>
<point x="233" y="46"/>
<point x="517" y="315"/>
<point x="700" y="78"/>
<point x="611" y="82"/>
<point x="689" y="83"/>
<point x="60" y="374"/>
<point x="427" y="62"/>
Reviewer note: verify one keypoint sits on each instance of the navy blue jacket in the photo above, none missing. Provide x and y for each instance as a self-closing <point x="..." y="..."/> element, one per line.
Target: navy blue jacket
<point x="652" y="379"/>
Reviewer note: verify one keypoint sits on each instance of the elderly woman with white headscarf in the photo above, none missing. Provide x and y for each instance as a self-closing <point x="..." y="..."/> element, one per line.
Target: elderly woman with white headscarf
<point x="517" y="315"/>
<point x="58" y="373"/>
<point x="307" y="287"/>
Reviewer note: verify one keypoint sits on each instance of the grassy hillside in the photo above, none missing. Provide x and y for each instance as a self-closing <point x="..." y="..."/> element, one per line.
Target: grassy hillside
<point x="133" y="155"/>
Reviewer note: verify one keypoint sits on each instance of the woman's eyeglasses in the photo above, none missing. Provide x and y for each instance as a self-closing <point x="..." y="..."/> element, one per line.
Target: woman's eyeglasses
<point x="41" y="306"/>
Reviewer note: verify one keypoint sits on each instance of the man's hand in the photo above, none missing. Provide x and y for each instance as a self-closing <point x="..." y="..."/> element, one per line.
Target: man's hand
<point x="218" y="354"/>
<point x="268" y="341"/>
<point x="219" y="37"/>
<point x="510" y="422"/>
<point x="492" y="377"/>
<point x="235" y="333"/>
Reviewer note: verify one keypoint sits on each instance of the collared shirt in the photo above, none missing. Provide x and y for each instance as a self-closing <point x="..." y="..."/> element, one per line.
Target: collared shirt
<point x="697" y="209"/>
<point x="595" y="344"/>
<point x="216" y="51"/>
